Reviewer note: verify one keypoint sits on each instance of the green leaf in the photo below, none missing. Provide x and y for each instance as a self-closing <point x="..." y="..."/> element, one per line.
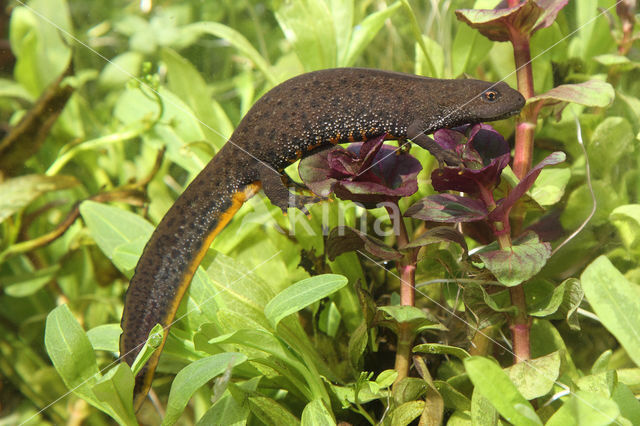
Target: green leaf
<point x="308" y="25"/>
<point x="329" y="319"/>
<point x="409" y="389"/>
<point x="616" y="301"/>
<point x="19" y="192"/>
<point x="186" y="82"/>
<point x="357" y="344"/>
<point x="105" y="337"/>
<point x="469" y="49"/>
<point x="302" y="294"/>
<point x="12" y="89"/>
<point x="126" y="255"/>
<point x="627" y="219"/>
<point x="239" y="290"/>
<point x="364" y="33"/>
<point x="193" y="377"/>
<point x="585" y="408"/>
<point x="237" y="40"/>
<point x="71" y="352"/>
<point x="550" y="186"/>
<point x="121" y="69"/>
<point x="41" y="52"/>
<point x="115" y="390"/>
<point x="561" y="302"/>
<point x="406" y="413"/>
<point x="627" y="403"/>
<point x="514" y="265"/>
<point x="482" y="412"/>
<point x="630" y="377"/>
<point x="418" y="318"/>
<point x="270" y="412"/>
<point x="535" y="377"/>
<point x="603" y="159"/>
<point x="601" y="364"/>
<point x="27" y="284"/>
<point x="611" y="59"/>
<point x="386" y="378"/>
<point x="150" y="345"/>
<point x="260" y="341"/>
<point x="437" y="348"/>
<point x="434" y="65"/>
<point x="601" y="383"/>
<point x="316" y="413"/>
<point x="494" y="384"/>
<point x="225" y="411"/>
<point x="367" y="391"/>
<point x="452" y="398"/>
<point x="111" y="227"/>
<point x="592" y="93"/>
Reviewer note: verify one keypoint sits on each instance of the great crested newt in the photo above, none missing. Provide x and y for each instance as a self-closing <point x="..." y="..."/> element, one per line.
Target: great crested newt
<point x="294" y="119"/>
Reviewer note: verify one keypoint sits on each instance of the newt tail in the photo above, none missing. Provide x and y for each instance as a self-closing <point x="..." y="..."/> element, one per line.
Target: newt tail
<point x="171" y="258"/>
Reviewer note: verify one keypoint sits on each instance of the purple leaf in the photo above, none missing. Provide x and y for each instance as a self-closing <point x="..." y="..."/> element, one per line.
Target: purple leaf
<point x="469" y="180"/>
<point x="448" y="208"/>
<point x="500" y="213"/>
<point x="449" y="139"/>
<point x="315" y="172"/>
<point x="343" y="239"/>
<point x="550" y="13"/>
<point x="495" y="24"/>
<point x="518" y="263"/>
<point x="438" y="235"/>
<point x="367" y="172"/>
<point x="487" y="142"/>
<point x="528" y="17"/>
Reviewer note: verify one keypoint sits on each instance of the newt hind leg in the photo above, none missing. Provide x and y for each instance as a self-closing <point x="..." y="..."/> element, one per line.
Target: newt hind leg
<point x="274" y="187"/>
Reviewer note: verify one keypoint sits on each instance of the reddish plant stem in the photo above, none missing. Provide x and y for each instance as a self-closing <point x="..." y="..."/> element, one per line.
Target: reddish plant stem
<point x="522" y="160"/>
<point x="407" y="272"/>
<point x="525" y="126"/>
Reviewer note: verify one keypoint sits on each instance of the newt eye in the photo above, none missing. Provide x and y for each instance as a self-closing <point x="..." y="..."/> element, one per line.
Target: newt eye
<point x="490" y="96"/>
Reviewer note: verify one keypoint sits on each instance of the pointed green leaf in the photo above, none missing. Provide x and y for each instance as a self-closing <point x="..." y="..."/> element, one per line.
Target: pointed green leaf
<point x="535" y="377"/>
<point x="585" y="408"/>
<point x="194" y="376"/>
<point x="115" y="390"/>
<point x="365" y="32"/>
<point x="437" y="348"/>
<point x="105" y="337"/>
<point x="494" y="384"/>
<point x="270" y="412"/>
<point x="237" y="40"/>
<point x="150" y="345"/>
<point x="616" y="301"/>
<point x="482" y="412"/>
<point x="20" y="191"/>
<point x="111" y="227"/>
<point x="308" y="25"/>
<point x="302" y="294"/>
<point x="316" y="413"/>
<point x="71" y="352"/>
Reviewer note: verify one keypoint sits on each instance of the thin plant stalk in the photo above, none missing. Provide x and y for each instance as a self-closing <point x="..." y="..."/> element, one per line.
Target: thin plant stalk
<point x="407" y="272"/>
